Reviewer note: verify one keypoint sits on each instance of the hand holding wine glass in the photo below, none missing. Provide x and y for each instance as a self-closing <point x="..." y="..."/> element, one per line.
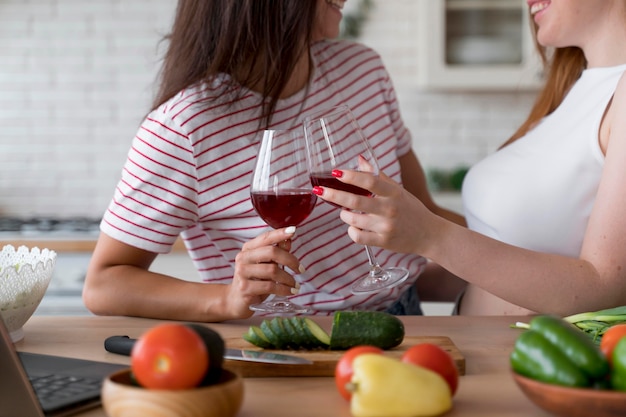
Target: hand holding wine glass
<point x="334" y="141"/>
<point x="281" y="194"/>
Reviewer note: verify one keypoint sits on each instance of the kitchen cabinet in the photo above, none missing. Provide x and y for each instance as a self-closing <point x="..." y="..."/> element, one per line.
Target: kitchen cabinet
<point x="476" y="45"/>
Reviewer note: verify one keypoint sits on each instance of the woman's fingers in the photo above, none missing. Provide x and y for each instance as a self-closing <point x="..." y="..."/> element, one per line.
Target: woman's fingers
<point x="272" y="237"/>
<point x="380" y="186"/>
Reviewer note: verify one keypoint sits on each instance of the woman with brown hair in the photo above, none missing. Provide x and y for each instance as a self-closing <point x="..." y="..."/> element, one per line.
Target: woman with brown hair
<point x="233" y="68"/>
<point x="545" y="213"/>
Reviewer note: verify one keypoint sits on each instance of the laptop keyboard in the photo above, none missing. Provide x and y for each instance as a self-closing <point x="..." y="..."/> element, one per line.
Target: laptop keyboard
<point x="51" y="388"/>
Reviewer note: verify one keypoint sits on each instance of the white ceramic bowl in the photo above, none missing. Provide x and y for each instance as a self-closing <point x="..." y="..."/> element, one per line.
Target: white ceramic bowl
<point x="24" y="277"/>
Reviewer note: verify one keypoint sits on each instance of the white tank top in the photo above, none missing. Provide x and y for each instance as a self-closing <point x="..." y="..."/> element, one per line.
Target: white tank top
<point x="538" y="192"/>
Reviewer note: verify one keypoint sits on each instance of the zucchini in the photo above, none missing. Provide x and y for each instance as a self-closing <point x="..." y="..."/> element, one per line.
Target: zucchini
<point x="376" y="328"/>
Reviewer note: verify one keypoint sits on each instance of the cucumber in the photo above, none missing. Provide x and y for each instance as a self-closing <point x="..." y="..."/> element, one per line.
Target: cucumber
<point x="274" y="339"/>
<point x="349" y="329"/>
<point x="256" y="336"/>
<point x="376" y="328"/>
<point x="285" y="340"/>
<point x="296" y="337"/>
<point x="304" y="337"/>
<point x="323" y="339"/>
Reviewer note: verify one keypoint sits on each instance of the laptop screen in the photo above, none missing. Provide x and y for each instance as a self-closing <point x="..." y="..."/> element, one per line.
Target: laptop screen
<point x="30" y="383"/>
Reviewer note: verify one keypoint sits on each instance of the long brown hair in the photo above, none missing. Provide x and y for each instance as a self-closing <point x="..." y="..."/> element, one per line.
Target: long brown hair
<point x="562" y="66"/>
<point x="257" y="42"/>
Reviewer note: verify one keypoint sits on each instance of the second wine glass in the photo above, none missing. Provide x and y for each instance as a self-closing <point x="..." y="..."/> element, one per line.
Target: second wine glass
<point x="335" y="141"/>
<point x="281" y="194"/>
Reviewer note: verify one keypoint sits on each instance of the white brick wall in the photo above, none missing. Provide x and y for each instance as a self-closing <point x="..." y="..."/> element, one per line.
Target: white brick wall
<point x="77" y="76"/>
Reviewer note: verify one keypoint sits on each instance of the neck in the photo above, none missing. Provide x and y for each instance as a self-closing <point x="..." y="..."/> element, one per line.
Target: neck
<point x="299" y="77"/>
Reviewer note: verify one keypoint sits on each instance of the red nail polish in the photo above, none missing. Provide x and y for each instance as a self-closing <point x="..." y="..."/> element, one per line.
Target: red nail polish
<point x="337" y="173"/>
<point x="318" y="190"/>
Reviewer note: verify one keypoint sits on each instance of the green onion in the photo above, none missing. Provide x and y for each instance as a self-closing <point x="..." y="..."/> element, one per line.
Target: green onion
<point x="594" y="323"/>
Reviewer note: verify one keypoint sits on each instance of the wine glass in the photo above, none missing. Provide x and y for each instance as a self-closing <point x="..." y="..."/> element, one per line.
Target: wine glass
<point x="335" y="140"/>
<point x="281" y="194"/>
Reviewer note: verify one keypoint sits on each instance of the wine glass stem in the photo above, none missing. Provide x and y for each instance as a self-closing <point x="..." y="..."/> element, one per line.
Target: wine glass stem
<point x="375" y="270"/>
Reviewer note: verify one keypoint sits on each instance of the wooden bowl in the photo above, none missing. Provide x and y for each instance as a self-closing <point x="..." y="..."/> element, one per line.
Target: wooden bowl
<point x="573" y="402"/>
<point x="122" y="398"/>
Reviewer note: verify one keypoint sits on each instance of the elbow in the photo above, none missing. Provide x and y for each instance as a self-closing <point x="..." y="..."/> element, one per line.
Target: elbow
<point x="94" y="298"/>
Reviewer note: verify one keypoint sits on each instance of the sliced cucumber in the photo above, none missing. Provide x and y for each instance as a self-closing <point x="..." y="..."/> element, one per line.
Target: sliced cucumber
<point x="313" y="341"/>
<point x="304" y="337"/>
<point x="319" y="333"/>
<point x="256" y="336"/>
<point x="286" y="341"/>
<point x="296" y="338"/>
<point x="274" y="339"/>
<point x="349" y="329"/>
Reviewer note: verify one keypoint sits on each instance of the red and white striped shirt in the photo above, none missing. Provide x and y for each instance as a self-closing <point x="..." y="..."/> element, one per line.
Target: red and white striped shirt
<point x="189" y="168"/>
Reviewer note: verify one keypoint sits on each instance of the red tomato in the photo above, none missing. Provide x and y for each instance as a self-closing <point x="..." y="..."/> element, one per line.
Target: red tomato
<point x="343" y="370"/>
<point x="169" y="356"/>
<point x="433" y="357"/>
<point x="610" y="338"/>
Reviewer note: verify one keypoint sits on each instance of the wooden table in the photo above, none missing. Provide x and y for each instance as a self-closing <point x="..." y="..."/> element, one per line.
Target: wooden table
<point x="486" y="389"/>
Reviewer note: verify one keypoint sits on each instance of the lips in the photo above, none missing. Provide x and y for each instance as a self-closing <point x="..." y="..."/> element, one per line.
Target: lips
<point x="338" y="4"/>
<point x="537" y="6"/>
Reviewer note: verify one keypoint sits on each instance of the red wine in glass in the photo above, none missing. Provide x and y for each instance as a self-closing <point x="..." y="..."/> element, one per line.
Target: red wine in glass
<point x="334" y="140"/>
<point x="281" y="194"/>
<point x="285" y="208"/>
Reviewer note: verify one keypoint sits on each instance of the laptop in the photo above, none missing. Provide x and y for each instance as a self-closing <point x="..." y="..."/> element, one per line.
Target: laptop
<point x="36" y="385"/>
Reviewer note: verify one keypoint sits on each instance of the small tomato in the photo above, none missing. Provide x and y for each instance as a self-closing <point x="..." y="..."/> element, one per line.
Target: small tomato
<point x="610" y="338"/>
<point x="433" y="357"/>
<point x="169" y="356"/>
<point x="343" y="369"/>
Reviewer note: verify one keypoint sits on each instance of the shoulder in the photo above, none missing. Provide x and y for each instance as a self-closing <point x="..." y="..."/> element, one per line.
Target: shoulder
<point x="338" y="48"/>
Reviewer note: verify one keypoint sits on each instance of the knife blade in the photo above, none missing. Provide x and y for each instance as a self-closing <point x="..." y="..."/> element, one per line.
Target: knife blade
<point x="123" y="345"/>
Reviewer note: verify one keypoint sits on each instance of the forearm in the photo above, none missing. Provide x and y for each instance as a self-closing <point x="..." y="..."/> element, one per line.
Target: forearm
<point x="540" y="282"/>
<point x="131" y="291"/>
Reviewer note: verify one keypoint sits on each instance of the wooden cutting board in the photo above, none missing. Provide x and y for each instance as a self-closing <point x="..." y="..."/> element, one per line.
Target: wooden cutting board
<point x="324" y="361"/>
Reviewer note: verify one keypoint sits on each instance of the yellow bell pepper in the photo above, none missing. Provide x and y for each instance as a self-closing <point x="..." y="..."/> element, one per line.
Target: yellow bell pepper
<point x="386" y="387"/>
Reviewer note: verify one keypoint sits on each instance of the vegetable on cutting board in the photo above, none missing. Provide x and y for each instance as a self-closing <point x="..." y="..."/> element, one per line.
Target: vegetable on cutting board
<point x="349" y="329"/>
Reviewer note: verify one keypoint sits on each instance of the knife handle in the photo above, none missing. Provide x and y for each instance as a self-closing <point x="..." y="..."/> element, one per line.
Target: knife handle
<point x="122" y="345"/>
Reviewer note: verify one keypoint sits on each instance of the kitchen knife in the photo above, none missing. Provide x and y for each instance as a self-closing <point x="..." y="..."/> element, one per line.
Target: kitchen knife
<point x="122" y="345"/>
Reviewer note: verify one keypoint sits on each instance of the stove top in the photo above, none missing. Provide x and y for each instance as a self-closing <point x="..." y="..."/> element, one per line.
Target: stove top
<point x="48" y="226"/>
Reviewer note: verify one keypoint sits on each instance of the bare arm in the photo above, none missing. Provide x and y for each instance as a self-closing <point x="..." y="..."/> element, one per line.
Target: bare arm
<point x="541" y="282"/>
<point x="435" y="283"/>
<point x="119" y="283"/>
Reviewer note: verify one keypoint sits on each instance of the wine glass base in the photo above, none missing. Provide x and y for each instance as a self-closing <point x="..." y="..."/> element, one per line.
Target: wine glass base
<point x="279" y="306"/>
<point x="387" y="278"/>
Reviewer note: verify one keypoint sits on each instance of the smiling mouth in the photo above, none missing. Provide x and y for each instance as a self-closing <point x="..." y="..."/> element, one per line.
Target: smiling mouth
<point x="537" y="7"/>
<point x="338" y="4"/>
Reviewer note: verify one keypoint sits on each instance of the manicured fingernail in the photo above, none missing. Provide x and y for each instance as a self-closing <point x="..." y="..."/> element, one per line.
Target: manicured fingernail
<point x="294" y="291"/>
<point x="290" y="230"/>
<point x="337" y="173"/>
<point x="302" y="270"/>
<point x="318" y="190"/>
